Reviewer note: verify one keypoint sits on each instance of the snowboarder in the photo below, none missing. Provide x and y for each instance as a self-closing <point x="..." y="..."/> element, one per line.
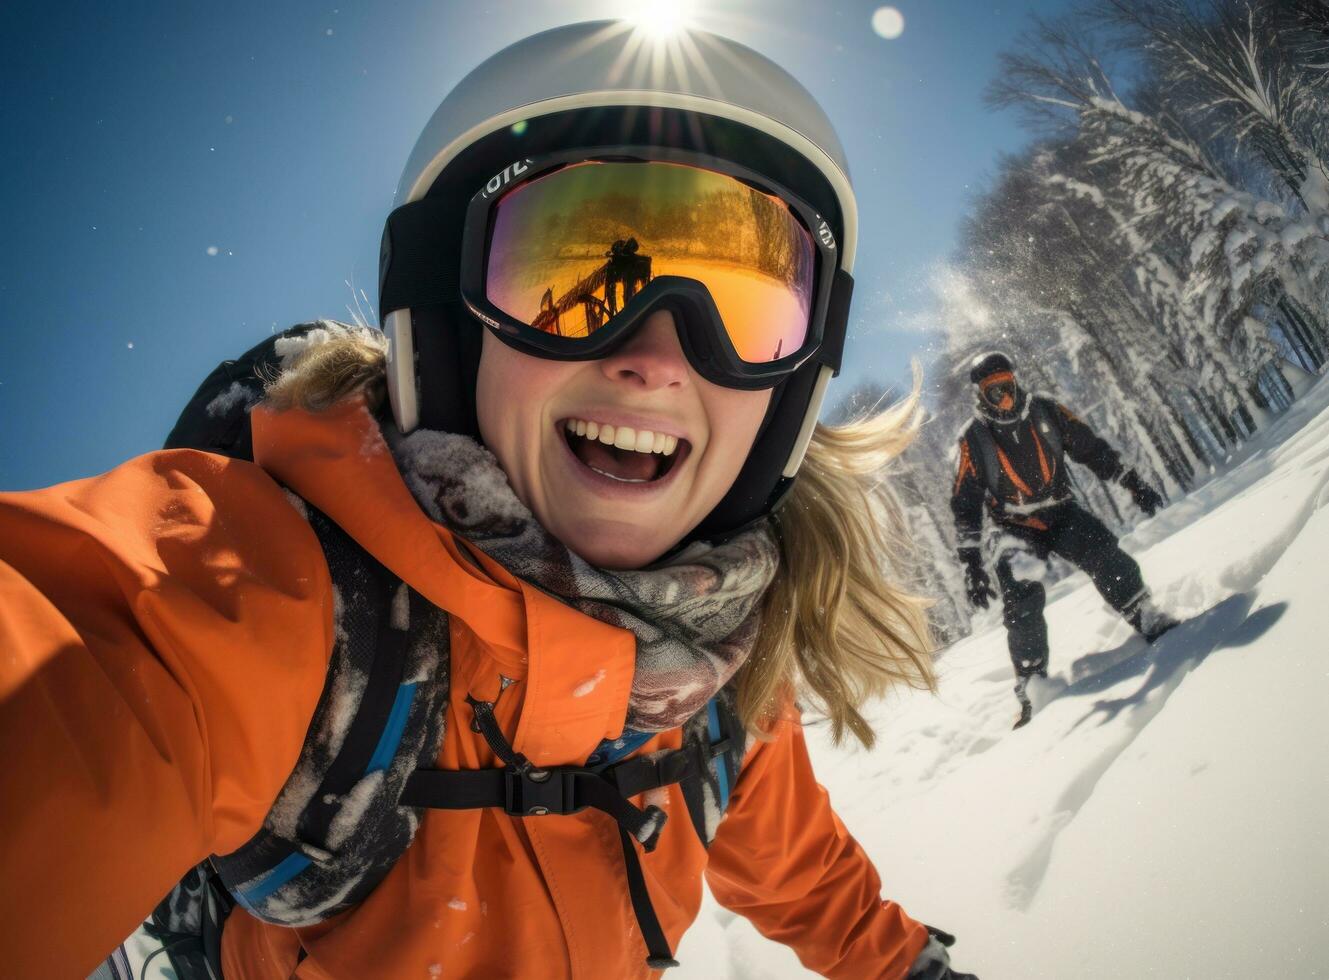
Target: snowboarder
<point x="1012" y="456"/>
<point x="627" y="267"/>
<point x="449" y="656"/>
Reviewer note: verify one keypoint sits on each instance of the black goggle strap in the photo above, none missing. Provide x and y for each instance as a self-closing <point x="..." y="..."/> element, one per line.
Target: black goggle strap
<point x="419" y="261"/>
<point x="836" y="326"/>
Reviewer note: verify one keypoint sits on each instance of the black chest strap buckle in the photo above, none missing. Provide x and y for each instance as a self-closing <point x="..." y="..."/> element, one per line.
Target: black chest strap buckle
<point x="522" y="790"/>
<point x="538" y="792"/>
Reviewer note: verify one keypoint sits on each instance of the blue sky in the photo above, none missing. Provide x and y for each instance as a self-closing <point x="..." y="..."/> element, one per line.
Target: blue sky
<point x="140" y="138"/>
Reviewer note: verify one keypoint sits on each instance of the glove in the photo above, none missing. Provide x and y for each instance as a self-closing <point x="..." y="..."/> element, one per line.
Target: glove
<point x="1146" y="497"/>
<point x="934" y="963"/>
<point x="976" y="582"/>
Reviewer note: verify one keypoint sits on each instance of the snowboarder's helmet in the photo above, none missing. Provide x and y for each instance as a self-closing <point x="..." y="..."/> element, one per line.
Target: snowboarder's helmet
<point x="989" y="363"/>
<point x="590" y="87"/>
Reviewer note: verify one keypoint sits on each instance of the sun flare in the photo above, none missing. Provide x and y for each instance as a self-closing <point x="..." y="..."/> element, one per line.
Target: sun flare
<point x="661" y="19"/>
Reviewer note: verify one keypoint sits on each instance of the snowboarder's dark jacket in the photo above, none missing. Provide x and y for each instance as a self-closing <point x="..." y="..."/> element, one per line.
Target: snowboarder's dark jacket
<point x="1017" y="465"/>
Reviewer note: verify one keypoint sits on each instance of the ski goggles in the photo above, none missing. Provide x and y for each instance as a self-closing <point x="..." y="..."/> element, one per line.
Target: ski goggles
<point x="564" y="255"/>
<point x="998" y="388"/>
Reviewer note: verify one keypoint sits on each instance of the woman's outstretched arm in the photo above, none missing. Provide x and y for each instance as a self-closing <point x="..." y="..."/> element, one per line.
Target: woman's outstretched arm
<point x="164" y="634"/>
<point x="782" y="858"/>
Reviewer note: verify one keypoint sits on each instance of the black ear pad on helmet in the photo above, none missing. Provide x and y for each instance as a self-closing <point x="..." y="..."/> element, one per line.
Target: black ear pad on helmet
<point x="447" y="344"/>
<point x="420" y="260"/>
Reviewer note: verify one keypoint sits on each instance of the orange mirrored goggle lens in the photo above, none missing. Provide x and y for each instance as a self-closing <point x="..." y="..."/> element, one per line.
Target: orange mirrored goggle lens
<point x="570" y="249"/>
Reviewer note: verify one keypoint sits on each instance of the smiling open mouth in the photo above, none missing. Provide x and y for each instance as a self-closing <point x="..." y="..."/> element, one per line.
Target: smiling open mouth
<point x="623" y="454"/>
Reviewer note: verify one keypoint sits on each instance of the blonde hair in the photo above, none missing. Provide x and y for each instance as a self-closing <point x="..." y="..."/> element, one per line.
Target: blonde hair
<point x="836" y="628"/>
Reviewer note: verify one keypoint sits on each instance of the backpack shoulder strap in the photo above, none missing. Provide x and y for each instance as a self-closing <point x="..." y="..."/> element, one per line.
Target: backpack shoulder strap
<point x="717" y="741"/>
<point x="983" y="449"/>
<point x="336" y="827"/>
<point x="1043" y="414"/>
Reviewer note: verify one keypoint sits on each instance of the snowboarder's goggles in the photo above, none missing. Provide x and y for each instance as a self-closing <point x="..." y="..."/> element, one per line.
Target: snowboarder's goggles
<point x="564" y="255"/>
<point x="997" y="388"/>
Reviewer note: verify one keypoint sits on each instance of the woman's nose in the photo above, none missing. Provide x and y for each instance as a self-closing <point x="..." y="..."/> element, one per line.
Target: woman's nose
<point x="652" y="357"/>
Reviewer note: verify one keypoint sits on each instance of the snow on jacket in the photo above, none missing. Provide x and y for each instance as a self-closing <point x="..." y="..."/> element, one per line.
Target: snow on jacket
<point x="1029" y="465"/>
<point x="165" y="631"/>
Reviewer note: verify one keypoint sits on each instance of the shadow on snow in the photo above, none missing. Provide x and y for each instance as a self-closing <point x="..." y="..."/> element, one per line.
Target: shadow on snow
<point x="1161" y="669"/>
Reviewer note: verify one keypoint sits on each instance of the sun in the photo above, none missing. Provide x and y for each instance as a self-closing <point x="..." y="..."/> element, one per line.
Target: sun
<point x="661" y="19"/>
<point x="888" y="22"/>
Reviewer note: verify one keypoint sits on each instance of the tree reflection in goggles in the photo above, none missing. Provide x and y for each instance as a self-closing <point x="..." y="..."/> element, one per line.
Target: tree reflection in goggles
<point x="569" y="250"/>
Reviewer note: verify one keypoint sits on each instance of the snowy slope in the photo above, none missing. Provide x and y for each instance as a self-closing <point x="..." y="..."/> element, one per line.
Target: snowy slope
<point x="1166" y="812"/>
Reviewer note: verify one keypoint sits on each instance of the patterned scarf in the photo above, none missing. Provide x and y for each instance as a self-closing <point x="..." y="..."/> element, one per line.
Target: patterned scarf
<point x="695" y="614"/>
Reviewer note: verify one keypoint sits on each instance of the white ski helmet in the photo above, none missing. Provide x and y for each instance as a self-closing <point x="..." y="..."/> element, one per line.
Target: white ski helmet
<point x="601" y="84"/>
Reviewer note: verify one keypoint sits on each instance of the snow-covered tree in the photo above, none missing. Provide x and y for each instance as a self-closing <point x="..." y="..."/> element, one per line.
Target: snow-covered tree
<point x="1206" y="252"/>
<point x="1158" y="259"/>
<point x="1249" y="72"/>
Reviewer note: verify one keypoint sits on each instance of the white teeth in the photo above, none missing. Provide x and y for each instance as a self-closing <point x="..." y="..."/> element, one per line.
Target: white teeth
<point x="624" y="437"/>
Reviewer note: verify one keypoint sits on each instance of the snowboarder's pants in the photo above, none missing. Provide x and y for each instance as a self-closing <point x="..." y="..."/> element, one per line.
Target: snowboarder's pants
<point x="1084" y="541"/>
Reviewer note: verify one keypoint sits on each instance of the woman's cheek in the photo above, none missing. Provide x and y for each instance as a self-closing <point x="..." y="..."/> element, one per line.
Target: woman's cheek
<point x="734" y="416"/>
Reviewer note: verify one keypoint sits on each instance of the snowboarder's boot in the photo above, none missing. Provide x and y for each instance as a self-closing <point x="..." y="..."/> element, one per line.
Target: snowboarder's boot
<point x="1149" y="621"/>
<point x="1026" y="706"/>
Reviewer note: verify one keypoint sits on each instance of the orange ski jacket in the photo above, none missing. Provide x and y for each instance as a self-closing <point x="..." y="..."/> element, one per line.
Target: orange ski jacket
<point x="165" y="630"/>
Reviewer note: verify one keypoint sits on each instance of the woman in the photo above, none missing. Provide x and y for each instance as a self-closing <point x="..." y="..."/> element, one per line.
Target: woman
<point x="546" y="632"/>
